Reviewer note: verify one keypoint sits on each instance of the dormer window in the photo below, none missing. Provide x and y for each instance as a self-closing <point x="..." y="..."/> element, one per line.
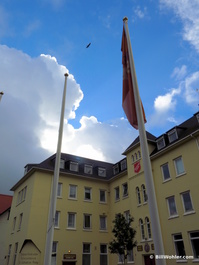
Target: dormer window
<point x="62" y="163"/>
<point x="197" y="116"/>
<point x="25" y="170"/>
<point x="160" y="143"/>
<point x="73" y="166"/>
<point x="123" y="164"/>
<point x="172" y="135"/>
<point x="101" y="172"/>
<point x="88" y="169"/>
<point x="116" y="169"/>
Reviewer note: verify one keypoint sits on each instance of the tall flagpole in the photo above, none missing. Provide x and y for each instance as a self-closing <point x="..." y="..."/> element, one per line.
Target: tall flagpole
<point x="53" y="199"/>
<point x="153" y="209"/>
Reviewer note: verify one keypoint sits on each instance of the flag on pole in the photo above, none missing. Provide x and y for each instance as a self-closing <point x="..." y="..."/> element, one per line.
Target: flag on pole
<point x="128" y="99"/>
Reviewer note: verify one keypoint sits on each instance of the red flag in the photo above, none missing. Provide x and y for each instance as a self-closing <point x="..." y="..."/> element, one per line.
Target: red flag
<point x="128" y="100"/>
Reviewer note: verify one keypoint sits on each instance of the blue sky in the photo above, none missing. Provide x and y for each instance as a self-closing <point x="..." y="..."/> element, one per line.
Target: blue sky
<point x="41" y="40"/>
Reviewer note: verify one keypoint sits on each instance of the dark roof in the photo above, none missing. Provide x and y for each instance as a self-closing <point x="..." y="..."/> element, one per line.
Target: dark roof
<point x="5" y="202"/>
<point x="150" y="138"/>
<point x="183" y="130"/>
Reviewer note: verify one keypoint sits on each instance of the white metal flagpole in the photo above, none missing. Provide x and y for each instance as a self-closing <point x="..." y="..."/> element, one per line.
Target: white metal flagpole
<point x="153" y="209"/>
<point x="53" y="199"/>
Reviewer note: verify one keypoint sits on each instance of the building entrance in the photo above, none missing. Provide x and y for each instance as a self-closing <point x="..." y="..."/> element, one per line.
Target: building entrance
<point x="148" y="260"/>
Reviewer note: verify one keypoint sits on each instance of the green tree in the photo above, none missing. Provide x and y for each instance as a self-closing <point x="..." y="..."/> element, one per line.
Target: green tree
<point x="124" y="235"/>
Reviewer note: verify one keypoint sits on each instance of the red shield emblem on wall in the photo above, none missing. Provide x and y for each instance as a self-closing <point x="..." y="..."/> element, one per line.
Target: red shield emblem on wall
<point x="137" y="167"/>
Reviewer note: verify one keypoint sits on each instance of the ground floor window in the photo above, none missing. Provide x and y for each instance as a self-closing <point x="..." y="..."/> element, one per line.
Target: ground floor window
<point x="54" y="253"/>
<point x="86" y="258"/>
<point x="194" y="237"/>
<point x="179" y="245"/>
<point x="103" y="254"/>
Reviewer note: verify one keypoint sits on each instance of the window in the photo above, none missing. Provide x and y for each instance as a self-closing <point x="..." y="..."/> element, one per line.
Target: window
<point x="125" y="189"/>
<point x="72" y="191"/>
<point x="179" y="245"/>
<point x="20" y="221"/>
<point x="139" y="154"/>
<point x="22" y="195"/>
<point x="103" y="254"/>
<point x="59" y="190"/>
<point x="142" y="229"/>
<point x="71" y="220"/>
<point x="136" y="156"/>
<point x="197" y="116"/>
<point x="172" y="135"/>
<point x="165" y="172"/>
<point x="138" y="195"/>
<point x="160" y="143"/>
<point x="14" y="224"/>
<point x="9" y="252"/>
<point x="179" y="166"/>
<point x="115" y="169"/>
<point x="172" y="206"/>
<point x="148" y="226"/>
<point x="62" y="163"/>
<point x="102" y="196"/>
<point x="87" y="221"/>
<point x="187" y="203"/>
<point x="74" y="166"/>
<point x="54" y="253"/>
<point x="145" y="197"/>
<point x="132" y="159"/>
<point x="127" y="215"/>
<point x="57" y="216"/>
<point x="130" y="257"/>
<point x="88" y="169"/>
<point x="101" y="172"/>
<point x="117" y="193"/>
<point x="87" y="194"/>
<point x="123" y="164"/>
<point x="15" y="254"/>
<point x="86" y="259"/>
<point x="194" y="237"/>
<point x="103" y="222"/>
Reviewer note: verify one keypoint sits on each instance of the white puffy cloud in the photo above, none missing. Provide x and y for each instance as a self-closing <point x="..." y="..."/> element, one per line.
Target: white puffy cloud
<point x="188" y="12"/>
<point x="30" y="115"/>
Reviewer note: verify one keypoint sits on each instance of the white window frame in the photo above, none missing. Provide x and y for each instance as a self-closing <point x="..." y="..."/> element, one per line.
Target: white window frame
<point x="20" y="221"/>
<point x="103" y="222"/>
<point x="130" y="256"/>
<point x="88" y="169"/>
<point x="74" y="166"/>
<point x="115" y="169"/>
<point x="138" y="196"/>
<point x="59" y="190"/>
<point x="73" y="224"/>
<point x="72" y="192"/>
<point x="165" y="178"/>
<point x="175" y="241"/>
<point x="190" y="202"/>
<point x="87" y="191"/>
<point x="123" y="164"/>
<point x="160" y="143"/>
<point x="62" y="164"/>
<point x="101" y="172"/>
<point x="144" y="194"/>
<point x="102" y="196"/>
<point x="125" y="190"/>
<point x="179" y="172"/>
<point x="148" y="227"/>
<point x="15" y="254"/>
<point x="142" y="232"/>
<point x="103" y="254"/>
<point x="54" y="253"/>
<point x="117" y="193"/>
<point x="14" y="224"/>
<point x="195" y="254"/>
<point x="57" y="219"/>
<point x="172" y="135"/>
<point x="86" y="253"/>
<point x="90" y="221"/>
<point x="171" y="205"/>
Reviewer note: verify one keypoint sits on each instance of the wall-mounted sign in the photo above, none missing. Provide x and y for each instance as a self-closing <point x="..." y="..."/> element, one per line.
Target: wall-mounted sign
<point x="137" y="167"/>
<point x="139" y="248"/>
<point x="69" y="256"/>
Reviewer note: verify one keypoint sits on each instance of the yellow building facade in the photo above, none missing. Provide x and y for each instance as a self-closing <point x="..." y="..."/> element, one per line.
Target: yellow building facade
<point x="91" y="192"/>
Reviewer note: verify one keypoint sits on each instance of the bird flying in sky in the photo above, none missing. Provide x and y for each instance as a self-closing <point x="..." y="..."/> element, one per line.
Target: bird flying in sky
<point x="88" y="45"/>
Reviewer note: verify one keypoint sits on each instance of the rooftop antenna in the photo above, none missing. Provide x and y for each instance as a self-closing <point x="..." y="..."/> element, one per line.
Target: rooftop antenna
<point x="1" y="94"/>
